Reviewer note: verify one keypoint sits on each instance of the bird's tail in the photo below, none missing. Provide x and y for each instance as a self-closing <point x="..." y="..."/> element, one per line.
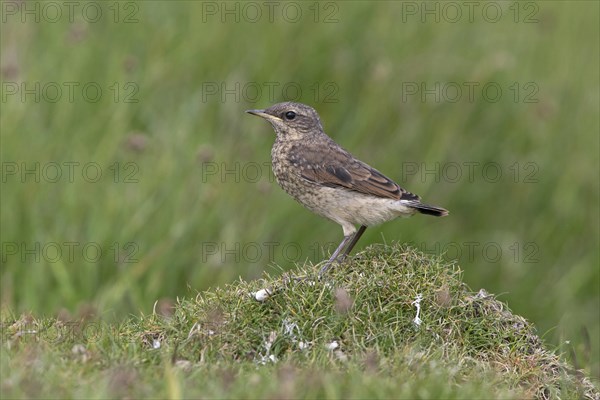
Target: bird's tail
<point x="430" y="210"/>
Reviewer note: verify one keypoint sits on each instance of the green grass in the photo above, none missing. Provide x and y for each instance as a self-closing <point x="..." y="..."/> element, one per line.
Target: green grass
<point x="225" y="344"/>
<point x="157" y="231"/>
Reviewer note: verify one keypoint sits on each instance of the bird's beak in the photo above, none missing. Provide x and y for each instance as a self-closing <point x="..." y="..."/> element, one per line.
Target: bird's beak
<point x="263" y="114"/>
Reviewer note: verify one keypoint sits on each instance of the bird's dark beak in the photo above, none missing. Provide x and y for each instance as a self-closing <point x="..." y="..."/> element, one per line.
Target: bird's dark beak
<point x="262" y="114"/>
<point x="255" y="112"/>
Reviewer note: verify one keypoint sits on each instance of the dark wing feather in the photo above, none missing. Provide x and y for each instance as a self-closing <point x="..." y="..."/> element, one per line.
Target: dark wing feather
<point x="340" y="170"/>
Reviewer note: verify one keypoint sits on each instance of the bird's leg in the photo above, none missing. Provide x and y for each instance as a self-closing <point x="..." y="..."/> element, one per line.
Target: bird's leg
<point x="349" y="242"/>
<point x="335" y="254"/>
<point x="351" y="245"/>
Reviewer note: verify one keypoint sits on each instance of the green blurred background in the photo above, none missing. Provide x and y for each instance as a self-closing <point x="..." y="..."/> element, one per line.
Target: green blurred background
<point x="442" y="97"/>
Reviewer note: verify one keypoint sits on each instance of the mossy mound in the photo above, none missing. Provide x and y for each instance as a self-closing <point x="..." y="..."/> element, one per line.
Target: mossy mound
<point x="367" y="309"/>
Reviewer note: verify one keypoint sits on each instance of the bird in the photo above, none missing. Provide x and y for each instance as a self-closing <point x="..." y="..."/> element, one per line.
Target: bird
<point x="325" y="178"/>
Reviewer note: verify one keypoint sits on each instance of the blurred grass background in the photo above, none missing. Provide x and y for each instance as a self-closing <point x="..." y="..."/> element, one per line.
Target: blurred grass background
<point x="171" y="220"/>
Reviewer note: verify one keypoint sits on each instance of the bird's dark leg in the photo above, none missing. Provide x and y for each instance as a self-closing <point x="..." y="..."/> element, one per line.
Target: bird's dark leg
<point x="349" y="242"/>
<point x="335" y="254"/>
<point x="351" y="245"/>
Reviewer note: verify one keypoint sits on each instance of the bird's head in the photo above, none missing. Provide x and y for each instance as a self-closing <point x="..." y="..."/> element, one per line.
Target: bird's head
<point x="291" y="120"/>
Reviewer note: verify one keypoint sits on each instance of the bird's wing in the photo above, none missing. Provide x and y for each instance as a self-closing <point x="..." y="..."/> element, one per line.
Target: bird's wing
<point x="341" y="170"/>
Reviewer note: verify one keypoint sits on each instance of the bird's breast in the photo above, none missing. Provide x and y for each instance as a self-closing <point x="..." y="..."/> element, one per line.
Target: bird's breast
<point x="287" y="166"/>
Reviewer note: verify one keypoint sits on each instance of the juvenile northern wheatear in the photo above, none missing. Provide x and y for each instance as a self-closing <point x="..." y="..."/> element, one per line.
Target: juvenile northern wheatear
<point x="329" y="181"/>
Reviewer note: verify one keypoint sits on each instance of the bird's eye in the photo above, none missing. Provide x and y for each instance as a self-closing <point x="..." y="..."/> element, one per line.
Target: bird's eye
<point x="290" y="115"/>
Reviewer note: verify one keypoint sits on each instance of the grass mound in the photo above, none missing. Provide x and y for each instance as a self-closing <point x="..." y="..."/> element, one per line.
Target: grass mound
<point x="390" y="322"/>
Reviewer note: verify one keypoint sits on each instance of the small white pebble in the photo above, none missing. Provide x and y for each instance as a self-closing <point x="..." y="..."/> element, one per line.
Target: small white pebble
<point x="262" y="294"/>
<point x="303" y="345"/>
<point x="333" y="345"/>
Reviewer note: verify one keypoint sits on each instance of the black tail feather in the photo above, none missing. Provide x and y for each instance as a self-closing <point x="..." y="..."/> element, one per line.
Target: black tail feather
<point x="430" y="210"/>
